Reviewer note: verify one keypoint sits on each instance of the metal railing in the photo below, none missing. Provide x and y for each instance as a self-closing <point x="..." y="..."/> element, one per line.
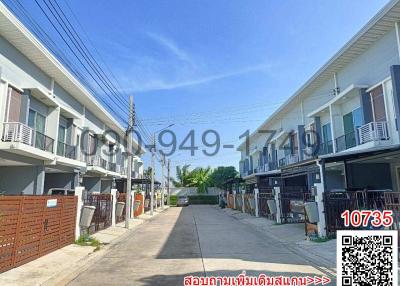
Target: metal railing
<point x="43" y="142"/>
<point x="373" y="131"/>
<point x="263" y="208"/>
<point x="20" y="132"/>
<point x="65" y="150"/>
<point x="96" y="160"/>
<point x="346" y="141"/>
<point x="336" y="203"/>
<point x="282" y="162"/>
<point x="292" y="159"/>
<point x="103" y="212"/>
<point x="326" y="148"/>
<point x="112" y="166"/>
<point x="292" y="205"/>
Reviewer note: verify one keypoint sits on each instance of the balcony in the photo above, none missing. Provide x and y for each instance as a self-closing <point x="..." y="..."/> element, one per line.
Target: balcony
<point x="325" y="148"/>
<point x="22" y="133"/>
<point x="292" y="159"/>
<point x="96" y="161"/>
<point x="282" y="162"/>
<point x="65" y="150"/>
<point x="373" y="131"/>
<point x="112" y="166"/>
<point x="346" y="141"/>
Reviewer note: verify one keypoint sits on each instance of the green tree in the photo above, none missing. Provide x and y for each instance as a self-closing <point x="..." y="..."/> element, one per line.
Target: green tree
<point x="182" y="176"/>
<point x="200" y="178"/>
<point x="221" y="174"/>
<point x="147" y="173"/>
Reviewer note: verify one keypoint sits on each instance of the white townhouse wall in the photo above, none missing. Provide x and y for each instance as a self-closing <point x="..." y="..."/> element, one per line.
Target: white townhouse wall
<point x="49" y="121"/>
<point x="351" y="103"/>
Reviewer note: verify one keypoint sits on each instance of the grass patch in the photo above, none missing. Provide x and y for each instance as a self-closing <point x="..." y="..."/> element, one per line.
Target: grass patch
<point x="318" y="239"/>
<point x="86" y="240"/>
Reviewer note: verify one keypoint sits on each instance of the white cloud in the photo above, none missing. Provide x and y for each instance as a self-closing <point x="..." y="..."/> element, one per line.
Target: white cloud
<point x="171" y="46"/>
<point x="160" y="84"/>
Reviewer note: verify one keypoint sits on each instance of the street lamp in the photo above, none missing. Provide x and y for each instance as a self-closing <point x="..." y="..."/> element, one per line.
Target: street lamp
<point x="153" y="155"/>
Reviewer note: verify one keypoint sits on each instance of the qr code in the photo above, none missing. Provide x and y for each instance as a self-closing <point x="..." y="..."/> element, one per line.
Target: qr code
<point x="367" y="257"/>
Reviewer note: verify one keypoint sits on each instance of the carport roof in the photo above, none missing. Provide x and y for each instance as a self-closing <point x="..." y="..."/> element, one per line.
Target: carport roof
<point x="358" y="154"/>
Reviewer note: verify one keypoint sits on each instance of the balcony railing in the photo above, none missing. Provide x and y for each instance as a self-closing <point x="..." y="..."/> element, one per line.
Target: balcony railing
<point x="20" y="132"/>
<point x="346" y="141"/>
<point x="103" y="163"/>
<point x="65" y="150"/>
<point x="292" y="159"/>
<point x="97" y="161"/>
<point x="373" y="131"/>
<point x="325" y="148"/>
<point x="112" y="166"/>
<point x="272" y="166"/>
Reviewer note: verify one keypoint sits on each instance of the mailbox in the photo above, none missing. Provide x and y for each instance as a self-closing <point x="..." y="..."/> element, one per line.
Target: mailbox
<point x="272" y="206"/>
<point x="87" y="216"/>
<point x="120" y="209"/>
<point x="312" y="211"/>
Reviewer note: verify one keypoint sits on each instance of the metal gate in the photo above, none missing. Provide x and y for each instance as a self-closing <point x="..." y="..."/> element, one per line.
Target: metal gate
<point x="238" y="202"/>
<point x="292" y="207"/>
<point x="263" y="208"/>
<point x="32" y="226"/>
<point x="102" y="214"/>
<point x="335" y="203"/>
<point x="249" y="204"/>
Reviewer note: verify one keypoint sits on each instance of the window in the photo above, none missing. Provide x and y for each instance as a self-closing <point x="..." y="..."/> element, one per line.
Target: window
<point x="327" y="146"/>
<point x="294" y="146"/>
<point x="37" y="121"/>
<point x="378" y="104"/>
<point x="14" y="101"/>
<point x="326" y="133"/>
<point x="61" y="134"/>
<point x="357" y="117"/>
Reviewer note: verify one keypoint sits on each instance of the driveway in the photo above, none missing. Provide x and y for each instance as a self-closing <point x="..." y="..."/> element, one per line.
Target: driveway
<point x="196" y="240"/>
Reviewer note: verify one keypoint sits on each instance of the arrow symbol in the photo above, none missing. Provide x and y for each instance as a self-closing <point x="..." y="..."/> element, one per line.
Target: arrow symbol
<point x="317" y="280"/>
<point x="310" y="280"/>
<point x="325" y="280"/>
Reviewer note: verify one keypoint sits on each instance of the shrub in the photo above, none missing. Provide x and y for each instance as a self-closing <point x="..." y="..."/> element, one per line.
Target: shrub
<point x="203" y="200"/>
<point x="173" y="199"/>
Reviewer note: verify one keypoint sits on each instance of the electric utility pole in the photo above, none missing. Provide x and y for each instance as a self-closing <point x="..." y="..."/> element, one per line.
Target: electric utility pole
<point x="153" y="154"/>
<point x="129" y="175"/>
<point x="162" y="181"/>
<point x="168" y="165"/>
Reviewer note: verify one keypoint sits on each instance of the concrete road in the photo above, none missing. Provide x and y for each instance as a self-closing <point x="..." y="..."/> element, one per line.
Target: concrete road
<point x="196" y="240"/>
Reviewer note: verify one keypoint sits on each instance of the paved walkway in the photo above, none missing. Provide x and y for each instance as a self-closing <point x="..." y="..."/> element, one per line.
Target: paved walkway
<point x="196" y="240"/>
<point x="291" y="235"/>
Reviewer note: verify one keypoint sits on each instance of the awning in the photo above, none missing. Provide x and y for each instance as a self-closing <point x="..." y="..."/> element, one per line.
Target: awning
<point x="359" y="154"/>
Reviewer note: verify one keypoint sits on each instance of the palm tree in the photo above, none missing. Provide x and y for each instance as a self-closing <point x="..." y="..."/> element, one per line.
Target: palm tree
<point x="147" y="173"/>
<point x="200" y="178"/>
<point x="183" y="176"/>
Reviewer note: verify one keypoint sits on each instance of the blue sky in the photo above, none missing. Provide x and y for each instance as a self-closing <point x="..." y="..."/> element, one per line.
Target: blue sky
<point x="222" y="65"/>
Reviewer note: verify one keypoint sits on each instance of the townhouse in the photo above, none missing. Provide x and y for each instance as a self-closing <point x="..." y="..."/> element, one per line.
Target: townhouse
<point x="340" y="129"/>
<point x="54" y="133"/>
